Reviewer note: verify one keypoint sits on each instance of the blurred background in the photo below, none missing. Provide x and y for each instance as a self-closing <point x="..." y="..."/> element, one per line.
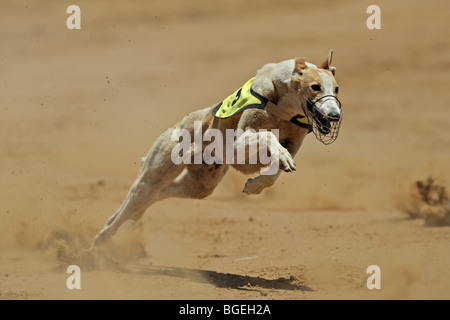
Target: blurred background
<point x="79" y="108"/>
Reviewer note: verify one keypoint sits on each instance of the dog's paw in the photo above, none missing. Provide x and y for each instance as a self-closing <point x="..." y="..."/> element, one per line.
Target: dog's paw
<point x="286" y="161"/>
<point x="253" y="186"/>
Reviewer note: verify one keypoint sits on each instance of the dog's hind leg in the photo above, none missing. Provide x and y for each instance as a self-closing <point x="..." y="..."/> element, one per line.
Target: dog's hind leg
<point x="195" y="182"/>
<point x="157" y="171"/>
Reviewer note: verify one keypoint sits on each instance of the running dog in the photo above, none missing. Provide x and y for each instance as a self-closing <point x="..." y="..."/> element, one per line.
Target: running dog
<point x="293" y="97"/>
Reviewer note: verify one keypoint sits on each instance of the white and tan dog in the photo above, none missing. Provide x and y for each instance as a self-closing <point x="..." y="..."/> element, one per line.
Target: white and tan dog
<point x="294" y="97"/>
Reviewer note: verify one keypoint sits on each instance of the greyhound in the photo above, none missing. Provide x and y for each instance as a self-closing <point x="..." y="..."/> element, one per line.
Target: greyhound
<point x="291" y="98"/>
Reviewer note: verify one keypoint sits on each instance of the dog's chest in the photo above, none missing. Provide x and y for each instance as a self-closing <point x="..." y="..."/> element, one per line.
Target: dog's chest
<point x="285" y="131"/>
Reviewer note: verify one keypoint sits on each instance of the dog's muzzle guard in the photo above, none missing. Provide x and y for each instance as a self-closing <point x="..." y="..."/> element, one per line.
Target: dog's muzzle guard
<point x="325" y="127"/>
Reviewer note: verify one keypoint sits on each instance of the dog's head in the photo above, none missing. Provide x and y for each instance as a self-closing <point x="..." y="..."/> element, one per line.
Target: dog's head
<point x="317" y="89"/>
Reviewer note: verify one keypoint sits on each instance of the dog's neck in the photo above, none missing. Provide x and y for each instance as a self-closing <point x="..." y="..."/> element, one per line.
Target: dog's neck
<point x="273" y="81"/>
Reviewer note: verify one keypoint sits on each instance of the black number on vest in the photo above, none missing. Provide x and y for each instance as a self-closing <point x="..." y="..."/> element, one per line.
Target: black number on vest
<point x="238" y="95"/>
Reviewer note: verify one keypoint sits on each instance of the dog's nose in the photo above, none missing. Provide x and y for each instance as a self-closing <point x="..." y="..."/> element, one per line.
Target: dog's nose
<point x="334" y="115"/>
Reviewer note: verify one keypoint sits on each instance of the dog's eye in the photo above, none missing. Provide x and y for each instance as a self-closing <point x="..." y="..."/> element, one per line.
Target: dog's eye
<point x="336" y="90"/>
<point x="315" y="87"/>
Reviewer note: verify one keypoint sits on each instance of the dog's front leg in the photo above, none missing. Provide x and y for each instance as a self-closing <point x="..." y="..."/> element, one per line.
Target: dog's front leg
<point x="258" y="184"/>
<point x="280" y="156"/>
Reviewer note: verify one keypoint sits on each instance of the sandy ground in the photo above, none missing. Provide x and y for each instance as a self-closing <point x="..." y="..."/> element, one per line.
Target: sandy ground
<point x="79" y="108"/>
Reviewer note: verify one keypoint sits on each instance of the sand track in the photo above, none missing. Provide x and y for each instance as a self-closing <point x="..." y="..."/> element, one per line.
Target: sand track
<point x="79" y="108"/>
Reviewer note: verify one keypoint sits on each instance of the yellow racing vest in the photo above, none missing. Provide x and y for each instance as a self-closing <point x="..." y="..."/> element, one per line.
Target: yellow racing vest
<point x="244" y="98"/>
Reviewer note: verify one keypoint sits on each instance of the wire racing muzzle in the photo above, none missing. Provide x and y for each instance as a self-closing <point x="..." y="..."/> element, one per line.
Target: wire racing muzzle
<point x="325" y="127"/>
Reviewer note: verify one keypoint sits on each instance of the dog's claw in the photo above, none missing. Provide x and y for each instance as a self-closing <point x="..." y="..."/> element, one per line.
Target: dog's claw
<point x="286" y="162"/>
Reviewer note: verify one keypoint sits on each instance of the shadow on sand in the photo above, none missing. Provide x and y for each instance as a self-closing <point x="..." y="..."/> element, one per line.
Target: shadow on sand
<point x="221" y="280"/>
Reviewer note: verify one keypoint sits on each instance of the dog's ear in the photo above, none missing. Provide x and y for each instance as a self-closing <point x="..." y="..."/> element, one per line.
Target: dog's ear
<point x="300" y="65"/>
<point x="327" y="63"/>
